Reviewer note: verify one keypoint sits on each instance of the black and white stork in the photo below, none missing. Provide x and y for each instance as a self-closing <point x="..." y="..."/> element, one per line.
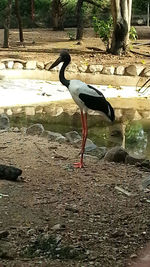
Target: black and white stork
<point x="85" y="96"/>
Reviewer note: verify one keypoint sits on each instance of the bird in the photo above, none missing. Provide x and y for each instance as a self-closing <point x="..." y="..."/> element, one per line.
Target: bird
<point x="86" y="97"/>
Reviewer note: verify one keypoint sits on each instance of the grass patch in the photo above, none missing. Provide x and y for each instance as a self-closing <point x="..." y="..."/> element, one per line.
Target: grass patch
<point x="50" y="247"/>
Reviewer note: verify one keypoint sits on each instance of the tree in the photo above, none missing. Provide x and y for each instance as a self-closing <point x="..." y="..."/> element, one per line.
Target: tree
<point x="121" y="13"/>
<point x="79" y="34"/>
<point x="7" y="23"/>
<point x="57" y="12"/>
<point x="19" y="21"/>
<point x="79" y="9"/>
<point x="32" y="10"/>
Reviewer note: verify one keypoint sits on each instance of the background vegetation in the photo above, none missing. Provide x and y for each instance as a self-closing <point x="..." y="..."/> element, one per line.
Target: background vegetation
<point x="43" y="12"/>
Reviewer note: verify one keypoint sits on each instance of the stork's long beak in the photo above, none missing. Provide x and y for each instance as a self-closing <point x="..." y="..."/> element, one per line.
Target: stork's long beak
<point x="58" y="60"/>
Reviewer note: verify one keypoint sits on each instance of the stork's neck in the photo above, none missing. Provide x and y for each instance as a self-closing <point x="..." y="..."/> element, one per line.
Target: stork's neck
<point x="62" y="78"/>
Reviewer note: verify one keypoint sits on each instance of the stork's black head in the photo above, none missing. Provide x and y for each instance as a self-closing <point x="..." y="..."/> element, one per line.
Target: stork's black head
<point x="63" y="57"/>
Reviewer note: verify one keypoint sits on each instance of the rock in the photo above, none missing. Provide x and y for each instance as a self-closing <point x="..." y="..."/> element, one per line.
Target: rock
<point x="116" y="154"/>
<point x="9" y="64"/>
<point x="35" y="129"/>
<point x="98" y="152"/>
<point x="30" y="111"/>
<point x="73" y="137"/>
<point x="18" y="65"/>
<point x="139" y="69"/>
<point x="146" y="72"/>
<point x="131" y="70"/>
<point x="82" y="68"/>
<point x="95" y="68"/>
<point x="4" y="122"/>
<point x="133" y="160"/>
<point x="9" y="172"/>
<point x="144" y="164"/>
<point x="145" y="183"/>
<point x="137" y="116"/>
<point x="15" y="129"/>
<point x="2" y="66"/>
<point x="58" y="226"/>
<point x="9" y="112"/>
<point x="40" y="65"/>
<point x="145" y="114"/>
<point x="109" y="70"/>
<point x="119" y="70"/>
<point x="89" y="146"/>
<point x="31" y="65"/>
<point x="4" y="234"/>
<point x="72" y="68"/>
<point x="118" y="114"/>
<point x="53" y="136"/>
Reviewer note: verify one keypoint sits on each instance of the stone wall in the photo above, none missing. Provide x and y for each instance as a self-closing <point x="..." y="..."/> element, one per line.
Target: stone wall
<point x="67" y="111"/>
<point x="133" y="108"/>
<point x="119" y="75"/>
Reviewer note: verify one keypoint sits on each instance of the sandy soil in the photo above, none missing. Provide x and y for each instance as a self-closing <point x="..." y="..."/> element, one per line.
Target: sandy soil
<point x="79" y="207"/>
<point x="44" y="45"/>
<point x="59" y="216"/>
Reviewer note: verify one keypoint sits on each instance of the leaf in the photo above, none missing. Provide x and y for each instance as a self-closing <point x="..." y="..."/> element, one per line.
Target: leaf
<point x="143" y="61"/>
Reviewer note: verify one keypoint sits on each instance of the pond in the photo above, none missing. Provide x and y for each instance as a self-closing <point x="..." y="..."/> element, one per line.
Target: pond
<point x="136" y="133"/>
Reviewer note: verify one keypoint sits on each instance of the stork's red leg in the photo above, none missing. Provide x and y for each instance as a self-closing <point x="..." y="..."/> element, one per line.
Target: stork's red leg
<point x="84" y="137"/>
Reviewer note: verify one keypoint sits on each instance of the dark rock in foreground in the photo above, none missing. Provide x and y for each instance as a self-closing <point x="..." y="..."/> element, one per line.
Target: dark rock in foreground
<point x="116" y="154"/>
<point x="9" y="172"/>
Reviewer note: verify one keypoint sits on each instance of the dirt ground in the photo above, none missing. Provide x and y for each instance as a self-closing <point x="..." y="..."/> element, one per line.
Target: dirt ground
<point x="79" y="208"/>
<point x="44" y="45"/>
<point x="56" y="215"/>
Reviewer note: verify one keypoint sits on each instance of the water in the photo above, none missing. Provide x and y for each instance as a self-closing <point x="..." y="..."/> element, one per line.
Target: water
<point x="133" y="135"/>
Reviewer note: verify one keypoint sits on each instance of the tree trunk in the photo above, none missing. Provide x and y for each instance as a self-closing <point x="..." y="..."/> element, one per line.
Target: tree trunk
<point x="79" y="34"/>
<point x="19" y="21"/>
<point x="7" y="24"/>
<point x="57" y="11"/>
<point x="121" y="12"/>
<point x="32" y="10"/>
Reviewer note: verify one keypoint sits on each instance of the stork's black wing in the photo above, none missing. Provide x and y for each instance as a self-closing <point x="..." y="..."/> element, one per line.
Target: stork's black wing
<point x="98" y="103"/>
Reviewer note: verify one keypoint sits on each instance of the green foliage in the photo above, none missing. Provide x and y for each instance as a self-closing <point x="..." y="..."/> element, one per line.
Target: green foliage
<point x="70" y="13"/>
<point x="133" y="33"/>
<point x="71" y="35"/>
<point x="139" y="6"/>
<point x="43" y="15"/>
<point x="134" y="133"/>
<point x="103" y="29"/>
<point x="3" y="4"/>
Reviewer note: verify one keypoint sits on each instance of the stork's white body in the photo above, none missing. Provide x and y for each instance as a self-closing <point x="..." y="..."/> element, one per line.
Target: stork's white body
<point x="85" y="96"/>
<point x="77" y="87"/>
